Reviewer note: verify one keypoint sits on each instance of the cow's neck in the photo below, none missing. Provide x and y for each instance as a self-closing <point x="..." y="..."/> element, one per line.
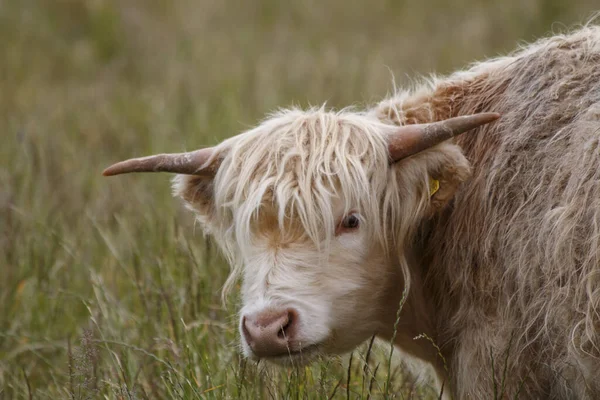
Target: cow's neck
<point x="414" y="332"/>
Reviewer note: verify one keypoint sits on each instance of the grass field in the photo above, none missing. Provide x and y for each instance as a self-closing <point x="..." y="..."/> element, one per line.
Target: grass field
<point x="106" y="288"/>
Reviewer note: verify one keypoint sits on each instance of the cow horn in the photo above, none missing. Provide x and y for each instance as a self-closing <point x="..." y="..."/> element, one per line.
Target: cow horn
<point x="411" y="139"/>
<point x="190" y="163"/>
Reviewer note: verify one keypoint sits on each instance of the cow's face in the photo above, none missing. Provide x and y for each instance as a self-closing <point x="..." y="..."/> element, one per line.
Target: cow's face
<point x="301" y="298"/>
<point x="314" y="219"/>
<point x="315" y="211"/>
<point x="297" y="207"/>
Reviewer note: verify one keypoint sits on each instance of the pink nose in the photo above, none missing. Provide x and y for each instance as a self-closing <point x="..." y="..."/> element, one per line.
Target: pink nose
<point x="269" y="333"/>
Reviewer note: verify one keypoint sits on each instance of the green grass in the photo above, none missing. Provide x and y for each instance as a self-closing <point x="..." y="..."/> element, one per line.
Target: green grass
<point x="106" y="288"/>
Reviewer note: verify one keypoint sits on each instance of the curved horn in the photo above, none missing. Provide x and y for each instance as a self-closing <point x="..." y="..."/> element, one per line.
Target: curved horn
<point x="411" y="139"/>
<point x="190" y="163"/>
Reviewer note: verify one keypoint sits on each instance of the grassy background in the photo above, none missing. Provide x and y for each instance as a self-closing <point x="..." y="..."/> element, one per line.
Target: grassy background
<point x="106" y="289"/>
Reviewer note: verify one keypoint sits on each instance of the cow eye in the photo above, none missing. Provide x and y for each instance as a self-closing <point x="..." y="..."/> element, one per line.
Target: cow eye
<point x="351" y="221"/>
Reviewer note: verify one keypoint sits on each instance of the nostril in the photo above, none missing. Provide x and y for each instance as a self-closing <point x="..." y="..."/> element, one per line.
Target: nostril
<point x="283" y="331"/>
<point x="281" y="334"/>
<point x="287" y="329"/>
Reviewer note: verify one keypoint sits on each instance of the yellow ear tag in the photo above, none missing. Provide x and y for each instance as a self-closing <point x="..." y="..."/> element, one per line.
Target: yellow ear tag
<point x="434" y="186"/>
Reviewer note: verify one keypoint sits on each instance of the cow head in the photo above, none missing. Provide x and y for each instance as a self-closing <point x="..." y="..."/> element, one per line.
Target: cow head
<point x="314" y="210"/>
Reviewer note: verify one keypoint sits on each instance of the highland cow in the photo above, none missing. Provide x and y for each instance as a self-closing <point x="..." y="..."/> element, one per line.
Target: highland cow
<point x="489" y="241"/>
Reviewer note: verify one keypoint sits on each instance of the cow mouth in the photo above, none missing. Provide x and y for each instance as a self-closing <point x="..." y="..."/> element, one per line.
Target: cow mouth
<point x="303" y="355"/>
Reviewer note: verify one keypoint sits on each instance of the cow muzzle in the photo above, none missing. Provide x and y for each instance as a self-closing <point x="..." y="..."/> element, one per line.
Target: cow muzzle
<point x="274" y="334"/>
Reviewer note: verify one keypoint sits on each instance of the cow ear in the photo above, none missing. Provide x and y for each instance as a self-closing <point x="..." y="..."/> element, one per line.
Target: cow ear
<point x="436" y="174"/>
<point x="198" y="194"/>
<point x="446" y="177"/>
<point x="447" y="168"/>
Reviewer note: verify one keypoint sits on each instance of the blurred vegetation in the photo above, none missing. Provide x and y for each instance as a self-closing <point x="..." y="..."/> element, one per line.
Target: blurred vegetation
<point x="106" y="288"/>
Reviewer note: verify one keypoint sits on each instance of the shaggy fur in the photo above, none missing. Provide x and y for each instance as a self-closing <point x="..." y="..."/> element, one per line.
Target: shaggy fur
<point x="514" y="264"/>
<point x="502" y="263"/>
